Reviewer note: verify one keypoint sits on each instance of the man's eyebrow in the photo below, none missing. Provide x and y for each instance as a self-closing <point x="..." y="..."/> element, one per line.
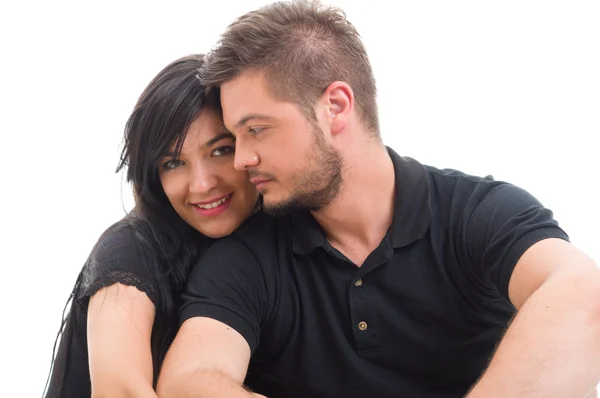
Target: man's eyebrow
<point x="222" y="136"/>
<point x="247" y="118"/>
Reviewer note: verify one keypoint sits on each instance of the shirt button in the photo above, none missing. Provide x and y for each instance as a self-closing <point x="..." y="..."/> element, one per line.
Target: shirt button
<point x="358" y="282"/>
<point x="362" y="326"/>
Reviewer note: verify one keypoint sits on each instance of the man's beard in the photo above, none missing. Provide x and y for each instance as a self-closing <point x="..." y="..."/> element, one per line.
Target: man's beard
<point x="319" y="185"/>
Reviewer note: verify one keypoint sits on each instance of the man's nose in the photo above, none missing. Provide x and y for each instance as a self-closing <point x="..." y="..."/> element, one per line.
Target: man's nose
<point x="245" y="156"/>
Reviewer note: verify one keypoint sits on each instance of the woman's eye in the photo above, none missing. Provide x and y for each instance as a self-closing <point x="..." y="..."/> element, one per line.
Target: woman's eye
<point x="171" y="164"/>
<point x="224" y="150"/>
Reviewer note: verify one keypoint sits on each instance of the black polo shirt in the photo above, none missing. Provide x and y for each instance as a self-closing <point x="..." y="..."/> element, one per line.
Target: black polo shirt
<point x="420" y="317"/>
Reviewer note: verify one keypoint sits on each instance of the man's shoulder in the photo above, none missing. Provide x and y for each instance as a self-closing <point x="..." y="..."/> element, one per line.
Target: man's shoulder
<point x="452" y="174"/>
<point x="438" y="184"/>
<point x="260" y="234"/>
<point x="455" y="193"/>
<point x="250" y="255"/>
<point x="459" y="184"/>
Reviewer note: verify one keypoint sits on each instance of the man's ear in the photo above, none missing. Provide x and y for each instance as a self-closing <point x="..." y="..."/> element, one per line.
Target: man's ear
<point x="339" y="99"/>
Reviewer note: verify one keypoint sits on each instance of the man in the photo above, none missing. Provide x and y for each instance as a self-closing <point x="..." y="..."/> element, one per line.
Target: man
<point x="380" y="277"/>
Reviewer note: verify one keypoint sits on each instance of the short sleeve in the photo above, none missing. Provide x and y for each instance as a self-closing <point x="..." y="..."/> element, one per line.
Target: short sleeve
<point x="117" y="258"/>
<point x="228" y="284"/>
<point x="505" y="223"/>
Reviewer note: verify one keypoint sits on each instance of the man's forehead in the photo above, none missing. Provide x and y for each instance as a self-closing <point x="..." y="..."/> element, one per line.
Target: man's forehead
<point x="244" y="97"/>
<point x="246" y="82"/>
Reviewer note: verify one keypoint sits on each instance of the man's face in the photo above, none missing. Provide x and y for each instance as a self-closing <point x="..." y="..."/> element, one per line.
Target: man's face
<point x="286" y="154"/>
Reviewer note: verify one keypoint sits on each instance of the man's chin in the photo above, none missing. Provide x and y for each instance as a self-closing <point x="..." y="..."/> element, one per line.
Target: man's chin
<point x="279" y="206"/>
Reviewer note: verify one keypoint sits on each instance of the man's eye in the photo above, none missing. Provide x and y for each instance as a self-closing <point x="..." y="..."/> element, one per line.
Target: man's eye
<point x="255" y="130"/>
<point x="171" y="164"/>
<point x="224" y="150"/>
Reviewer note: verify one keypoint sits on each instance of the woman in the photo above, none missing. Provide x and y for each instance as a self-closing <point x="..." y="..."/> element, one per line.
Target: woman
<point x="123" y="313"/>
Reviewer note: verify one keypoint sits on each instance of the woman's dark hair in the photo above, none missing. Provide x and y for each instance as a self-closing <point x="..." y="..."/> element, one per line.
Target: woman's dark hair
<point x="167" y="244"/>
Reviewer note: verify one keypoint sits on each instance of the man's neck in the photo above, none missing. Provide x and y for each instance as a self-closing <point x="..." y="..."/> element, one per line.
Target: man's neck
<point x="358" y="219"/>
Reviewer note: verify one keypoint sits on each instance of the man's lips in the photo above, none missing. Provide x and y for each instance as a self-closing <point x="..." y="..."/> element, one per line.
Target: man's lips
<point x="257" y="181"/>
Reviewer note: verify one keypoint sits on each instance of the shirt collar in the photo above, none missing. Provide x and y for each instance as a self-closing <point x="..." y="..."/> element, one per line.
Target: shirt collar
<point x="412" y="214"/>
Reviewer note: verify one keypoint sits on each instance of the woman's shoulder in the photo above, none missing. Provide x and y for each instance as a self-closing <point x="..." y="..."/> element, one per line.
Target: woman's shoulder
<point x="117" y="244"/>
<point x="120" y="232"/>
<point x="119" y="257"/>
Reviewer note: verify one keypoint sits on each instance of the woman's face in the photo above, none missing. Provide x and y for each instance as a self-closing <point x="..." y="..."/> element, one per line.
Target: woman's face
<point x="202" y="184"/>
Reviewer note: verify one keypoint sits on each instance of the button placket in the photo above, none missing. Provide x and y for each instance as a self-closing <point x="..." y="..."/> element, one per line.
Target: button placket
<point x="362" y="326"/>
<point x="360" y="313"/>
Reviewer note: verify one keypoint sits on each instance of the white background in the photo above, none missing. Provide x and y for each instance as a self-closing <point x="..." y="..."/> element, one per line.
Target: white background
<point x="507" y="88"/>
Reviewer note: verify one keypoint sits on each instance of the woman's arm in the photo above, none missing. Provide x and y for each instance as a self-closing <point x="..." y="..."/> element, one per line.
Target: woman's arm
<point x="119" y="327"/>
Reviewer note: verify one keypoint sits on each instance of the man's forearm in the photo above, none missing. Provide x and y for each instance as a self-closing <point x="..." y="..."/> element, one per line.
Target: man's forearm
<point x="552" y="348"/>
<point x="204" y="384"/>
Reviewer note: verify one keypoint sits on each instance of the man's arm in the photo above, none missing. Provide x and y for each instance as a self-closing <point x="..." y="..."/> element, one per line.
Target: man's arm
<point x="224" y="304"/>
<point x="552" y="347"/>
<point x="207" y="359"/>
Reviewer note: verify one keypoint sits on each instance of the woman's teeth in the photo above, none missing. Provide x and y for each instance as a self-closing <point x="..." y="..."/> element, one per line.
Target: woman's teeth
<point x="213" y="204"/>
